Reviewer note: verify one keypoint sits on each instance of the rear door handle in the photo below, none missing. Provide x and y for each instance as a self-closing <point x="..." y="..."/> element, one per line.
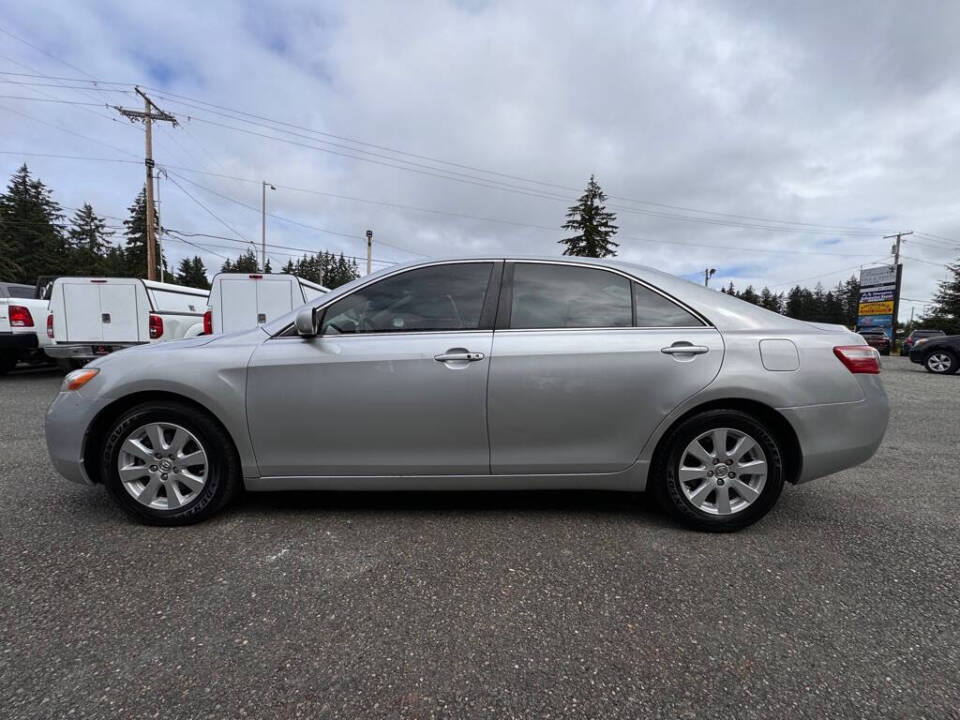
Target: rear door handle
<point x="685" y="350"/>
<point x="468" y="356"/>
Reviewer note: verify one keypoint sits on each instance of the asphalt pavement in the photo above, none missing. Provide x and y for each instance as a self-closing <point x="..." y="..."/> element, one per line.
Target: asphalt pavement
<point x="844" y="602"/>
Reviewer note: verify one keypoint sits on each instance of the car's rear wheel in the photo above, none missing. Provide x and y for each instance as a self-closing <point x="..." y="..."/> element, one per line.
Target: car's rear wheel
<point x="941" y="362"/>
<point x="719" y="471"/>
<point x="168" y="464"/>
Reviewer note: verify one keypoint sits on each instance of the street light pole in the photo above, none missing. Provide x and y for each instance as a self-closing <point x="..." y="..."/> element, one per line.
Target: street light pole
<point x="707" y="274"/>
<point x="369" y="249"/>
<point x="263" y="228"/>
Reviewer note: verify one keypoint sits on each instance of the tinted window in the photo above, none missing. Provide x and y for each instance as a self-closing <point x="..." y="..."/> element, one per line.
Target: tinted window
<point x="443" y="297"/>
<point x="22" y="291"/>
<point x="564" y="296"/>
<point x="654" y="310"/>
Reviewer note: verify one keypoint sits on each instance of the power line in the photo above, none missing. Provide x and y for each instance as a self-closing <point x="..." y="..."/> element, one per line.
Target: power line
<point x="211" y="212"/>
<point x="814" y="228"/>
<point x="285" y="219"/>
<point x="309" y="251"/>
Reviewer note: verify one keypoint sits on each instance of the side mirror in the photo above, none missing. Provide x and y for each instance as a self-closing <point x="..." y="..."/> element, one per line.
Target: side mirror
<point x="307" y="322"/>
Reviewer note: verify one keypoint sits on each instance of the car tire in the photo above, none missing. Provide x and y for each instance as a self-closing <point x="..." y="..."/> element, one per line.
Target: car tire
<point x="941" y="362"/>
<point x="695" y="495"/>
<point x="8" y="361"/>
<point x="885" y="352"/>
<point x="161" y="485"/>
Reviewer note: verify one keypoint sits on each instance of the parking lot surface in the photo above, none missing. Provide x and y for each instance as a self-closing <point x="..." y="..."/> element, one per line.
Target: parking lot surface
<point x="843" y="602"/>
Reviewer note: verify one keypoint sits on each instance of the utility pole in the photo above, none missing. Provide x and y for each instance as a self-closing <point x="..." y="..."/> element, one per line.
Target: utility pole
<point x="147" y="117"/>
<point x="159" y="224"/>
<point x="263" y="229"/>
<point x="898" y="269"/>
<point x="369" y="249"/>
<point x="707" y="274"/>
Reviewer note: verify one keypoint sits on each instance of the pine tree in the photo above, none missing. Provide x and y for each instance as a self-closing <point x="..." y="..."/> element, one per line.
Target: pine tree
<point x="592" y="224"/>
<point x="135" y="252"/>
<point x="850" y="297"/>
<point x="32" y="242"/>
<point x="192" y="273"/>
<point x="750" y="295"/>
<point x="88" y="238"/>
<point x="770" y="300"/>
<point x="246" y="263"/>
<point x="946" y="307"/>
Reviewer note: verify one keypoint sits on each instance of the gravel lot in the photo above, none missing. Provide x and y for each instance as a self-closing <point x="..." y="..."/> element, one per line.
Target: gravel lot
<point x="843" y="602"/>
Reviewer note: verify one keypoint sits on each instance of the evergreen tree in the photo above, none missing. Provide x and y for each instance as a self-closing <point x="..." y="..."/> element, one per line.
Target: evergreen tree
<point x="592" y="224"/>
<point x="849" y="292"/>
<point x="770" y="300"/>
<point x="192" y="273"/>
<point x="32" y="242"/>
<point x="946" y="308"/>
<point x="246" y="263"/>
<point x="750" y="295"/>
<point x="88" y="239"/>
<point x="135" y="252"/>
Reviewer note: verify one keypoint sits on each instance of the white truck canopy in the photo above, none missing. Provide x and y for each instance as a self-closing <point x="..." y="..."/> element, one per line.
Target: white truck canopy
<point x="240" y="301"/>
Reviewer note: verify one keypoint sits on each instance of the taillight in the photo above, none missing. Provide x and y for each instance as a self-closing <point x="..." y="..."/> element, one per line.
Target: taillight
<point x="50" y="325"/>
<point x="20" y="316"/>
<point x="208" y="322"/>
<point x="156" y="326"/>
<point x="859" y="358"/>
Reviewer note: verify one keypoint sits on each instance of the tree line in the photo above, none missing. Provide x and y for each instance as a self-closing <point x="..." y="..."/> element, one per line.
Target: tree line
<point x="38" y="240"/>
<point x="594" y="229"/>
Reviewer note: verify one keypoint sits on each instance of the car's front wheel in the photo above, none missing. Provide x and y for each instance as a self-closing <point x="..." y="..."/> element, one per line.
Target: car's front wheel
<point x="720" y="471"/>
<point x="168" y="464"/>
<point x="941" y="362"/>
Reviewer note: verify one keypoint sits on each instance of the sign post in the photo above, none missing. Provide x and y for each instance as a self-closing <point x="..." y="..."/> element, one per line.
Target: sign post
<point x="878" y="299"/>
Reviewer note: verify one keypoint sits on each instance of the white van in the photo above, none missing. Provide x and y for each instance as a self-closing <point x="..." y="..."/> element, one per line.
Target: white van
<point x="239" y="301"/>
<point x="91" y="316"/>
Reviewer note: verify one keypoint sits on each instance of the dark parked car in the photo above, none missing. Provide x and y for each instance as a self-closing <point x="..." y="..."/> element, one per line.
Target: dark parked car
<point x="912" y="338"/>
<point x="876" y="338"/>
<point x="940" y="355"/>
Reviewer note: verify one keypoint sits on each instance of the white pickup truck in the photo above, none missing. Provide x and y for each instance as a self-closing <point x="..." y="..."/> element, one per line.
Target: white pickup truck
<point x="23" y="319"/>
<point x="92" y="316"/>
<point x="240" y="301"/>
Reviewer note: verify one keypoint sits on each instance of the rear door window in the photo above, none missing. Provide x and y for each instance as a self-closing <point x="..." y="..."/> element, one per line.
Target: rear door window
<point x="654" y="310"/>
<point x="566" y="296"/>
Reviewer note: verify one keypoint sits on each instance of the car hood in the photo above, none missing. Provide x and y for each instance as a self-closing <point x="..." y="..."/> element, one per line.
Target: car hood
<point x="177" y="346"/>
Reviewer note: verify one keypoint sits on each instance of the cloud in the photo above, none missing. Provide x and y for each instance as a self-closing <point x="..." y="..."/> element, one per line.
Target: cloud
<point x="838" y="115"/>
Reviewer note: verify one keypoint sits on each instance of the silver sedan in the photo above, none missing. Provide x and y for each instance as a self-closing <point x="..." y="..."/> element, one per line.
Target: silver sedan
<point x="482" y="373"/>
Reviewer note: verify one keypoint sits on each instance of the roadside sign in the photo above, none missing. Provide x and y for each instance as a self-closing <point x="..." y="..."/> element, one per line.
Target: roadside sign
<point x="878" y="293"/>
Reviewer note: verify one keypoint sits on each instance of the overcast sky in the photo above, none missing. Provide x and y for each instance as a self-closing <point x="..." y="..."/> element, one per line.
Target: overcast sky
<point x="719" y="127"/>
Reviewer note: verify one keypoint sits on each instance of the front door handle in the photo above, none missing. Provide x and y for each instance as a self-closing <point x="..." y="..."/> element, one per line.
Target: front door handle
<point x="685" y="350"/>
<point x="459" y="355"/>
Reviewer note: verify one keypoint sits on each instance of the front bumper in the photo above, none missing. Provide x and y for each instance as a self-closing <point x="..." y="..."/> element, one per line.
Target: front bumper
<point x="837" y="436"/>
<point x="18" y="341"/>
<point x="77" y="351"/>
<point x="65" y="428"/>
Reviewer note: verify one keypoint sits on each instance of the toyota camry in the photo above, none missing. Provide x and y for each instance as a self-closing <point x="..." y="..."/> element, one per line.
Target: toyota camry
<point x="480" y="373"/>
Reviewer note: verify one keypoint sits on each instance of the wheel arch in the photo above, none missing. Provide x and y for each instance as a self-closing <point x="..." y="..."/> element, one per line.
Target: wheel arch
<point x="99" y="426"/>
<point x="775" y="422"/>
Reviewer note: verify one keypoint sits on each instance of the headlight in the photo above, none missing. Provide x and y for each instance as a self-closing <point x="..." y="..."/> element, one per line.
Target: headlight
<point x="921" y="341"/>
<point x="78" y="378"/>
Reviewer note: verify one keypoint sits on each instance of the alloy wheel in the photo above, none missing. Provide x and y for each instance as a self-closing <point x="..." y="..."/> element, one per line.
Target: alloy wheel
<point x="722" y="471"/>
<point x="162" y="466"/>
<point x="939" y="362"/>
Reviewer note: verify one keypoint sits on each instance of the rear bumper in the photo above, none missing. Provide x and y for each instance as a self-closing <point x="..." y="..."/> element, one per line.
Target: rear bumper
<point x="18" y="341"/>
<point x="837" y="436"/>
<point x="81" y="351"/>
